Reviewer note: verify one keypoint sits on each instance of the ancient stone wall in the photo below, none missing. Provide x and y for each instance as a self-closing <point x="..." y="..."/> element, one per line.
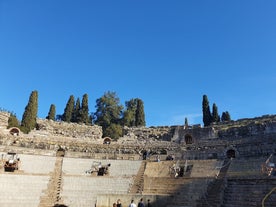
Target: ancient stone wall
<point x="4" y="117"/>
<point x="246" y="137"/>
<point x="63" y="129"/>
<point x="164" y="133"/>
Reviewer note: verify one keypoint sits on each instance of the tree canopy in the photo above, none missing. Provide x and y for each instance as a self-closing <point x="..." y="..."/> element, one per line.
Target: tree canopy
<point x="109" y="114"/>
<point x="68" y="111"/>
<point x="84" y="110"/>
<point x="225" y="116"/>
<point x="215" y="115"/>
<point x="134" y="114"/>
<point x="13" y="121"/>
<point x="52" y="112"/>
<point x="29" y="117"/>
<point x="207" y="117"/>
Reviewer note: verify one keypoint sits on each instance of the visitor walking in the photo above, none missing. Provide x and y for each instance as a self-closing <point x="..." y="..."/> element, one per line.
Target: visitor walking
<point x="149" y="205"/>
<point x="132" y="204"/>
<point x="141" y="203"/>
<point x="119" y="203"/>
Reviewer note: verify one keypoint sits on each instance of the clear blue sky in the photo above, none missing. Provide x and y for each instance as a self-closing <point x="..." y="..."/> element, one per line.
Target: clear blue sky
<point x="167" y="53"/>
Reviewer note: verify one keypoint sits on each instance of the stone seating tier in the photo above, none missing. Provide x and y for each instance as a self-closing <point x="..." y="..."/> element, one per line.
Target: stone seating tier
<point x="249" y="192"/>
<point x="84" y="189"/>
<point x="118" y="168"/>
<point x="21" y="190"/>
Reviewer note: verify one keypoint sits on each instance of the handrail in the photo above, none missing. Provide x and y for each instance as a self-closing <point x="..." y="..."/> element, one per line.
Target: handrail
<point x="267" y="195"/>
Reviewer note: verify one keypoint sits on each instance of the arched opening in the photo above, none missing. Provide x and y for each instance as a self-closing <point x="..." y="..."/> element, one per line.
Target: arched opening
<point x="14" y="131"/>
<point x="60" y="152"/>
<point x="107" y="140"/>
<point x="231" y="153"/>
<point x="188" y="139"/>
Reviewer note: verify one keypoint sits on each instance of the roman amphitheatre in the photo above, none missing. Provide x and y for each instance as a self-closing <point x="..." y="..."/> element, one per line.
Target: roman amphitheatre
<point x="65" y="164"/>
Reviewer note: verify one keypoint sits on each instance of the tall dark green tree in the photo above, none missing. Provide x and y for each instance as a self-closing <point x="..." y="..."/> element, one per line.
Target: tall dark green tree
<point x="68" y="111"/>
<point x="207" y="117"/>
<point x="84" y="111"/>
<point x="76" y="112"/>
<point x="108" y="114"/>
<point x="215" y="115"/>
<point x="225" y="116"/>
<point x="129" y="118"/>
<point x="30" y="114"/>
<point x="186" y="123"/>
<point x="52" y="113"/>
<point x="140" y="114"/>
<point x="134" y="114"/>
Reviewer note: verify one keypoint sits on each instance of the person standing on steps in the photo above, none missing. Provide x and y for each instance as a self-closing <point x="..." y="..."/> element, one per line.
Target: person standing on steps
<point x="141" y="203"/>
<point x="119" y="203"/>
<point x="132" y="204"/>
<point x="149" y="205"/>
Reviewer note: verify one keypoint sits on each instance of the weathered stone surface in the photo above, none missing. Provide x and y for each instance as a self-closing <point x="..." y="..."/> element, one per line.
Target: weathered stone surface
<point x="63" y="129"/>
<point x="246" y="137"/>
<point x="4" y="117"/>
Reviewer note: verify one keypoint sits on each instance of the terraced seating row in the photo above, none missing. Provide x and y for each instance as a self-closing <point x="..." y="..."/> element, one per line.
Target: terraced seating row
<point x="118" y="168"/>
<point x="21" y="190"/>
<point x="246" y="167"/>
<point x="248" y="192"/>
<point x="36" y="164"/>
<point x="205" y="168"/>
<point x="83" y="190"/>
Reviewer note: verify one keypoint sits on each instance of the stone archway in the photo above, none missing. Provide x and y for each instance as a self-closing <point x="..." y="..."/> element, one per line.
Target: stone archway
<point x="107" y="140"/>
<point x="231" y="153"/>
<point x="60" y="152"/>
<point x="14" y="131"/>
<point x="189" y="139"/>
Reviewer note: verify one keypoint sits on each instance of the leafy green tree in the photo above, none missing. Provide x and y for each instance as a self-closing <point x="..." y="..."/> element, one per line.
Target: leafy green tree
<point x="76" y="112"/>
<point x="129" y="113"/>
<point x="108" y="111"/>
<point x="13" y="121"/>
<point x="114" y="131"/>
<point x="84" y="111"/>
<point x="225" y="116"/>
<point x="140" y="114"/>
<point x="207" y="117"/>
<point x="52" y="113"/>
<point x="215" y="115"/>
<point x="134" y="114"/>
<point x="29" y="117"/>
<point x="68" y="111"/>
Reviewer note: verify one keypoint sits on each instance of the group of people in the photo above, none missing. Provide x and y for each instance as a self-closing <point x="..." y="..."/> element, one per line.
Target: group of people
<point x="132" y="203"/>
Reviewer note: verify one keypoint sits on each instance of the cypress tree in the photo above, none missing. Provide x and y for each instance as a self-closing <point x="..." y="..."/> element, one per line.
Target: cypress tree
<point x="140" y="115"/>
<point x="76" y="112"/>
<point x="68" y="111"/>
<point x="29" y="117"/>
<point x="84" y="112"/>
<point x="129" y="113"/>
<point x="186" y="123"/>
<point x="225" y="116"/>
<point x="207" y="117"/>
<point x="215" y="115"/>
<point x="52" y="112"/>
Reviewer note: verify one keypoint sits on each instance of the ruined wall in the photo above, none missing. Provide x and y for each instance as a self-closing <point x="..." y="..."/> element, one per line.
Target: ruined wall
<point x="63" y="129"/>
<point x="164" y="133"/>
<point x="246" y="137"/>
<point x="4" y="117"/>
